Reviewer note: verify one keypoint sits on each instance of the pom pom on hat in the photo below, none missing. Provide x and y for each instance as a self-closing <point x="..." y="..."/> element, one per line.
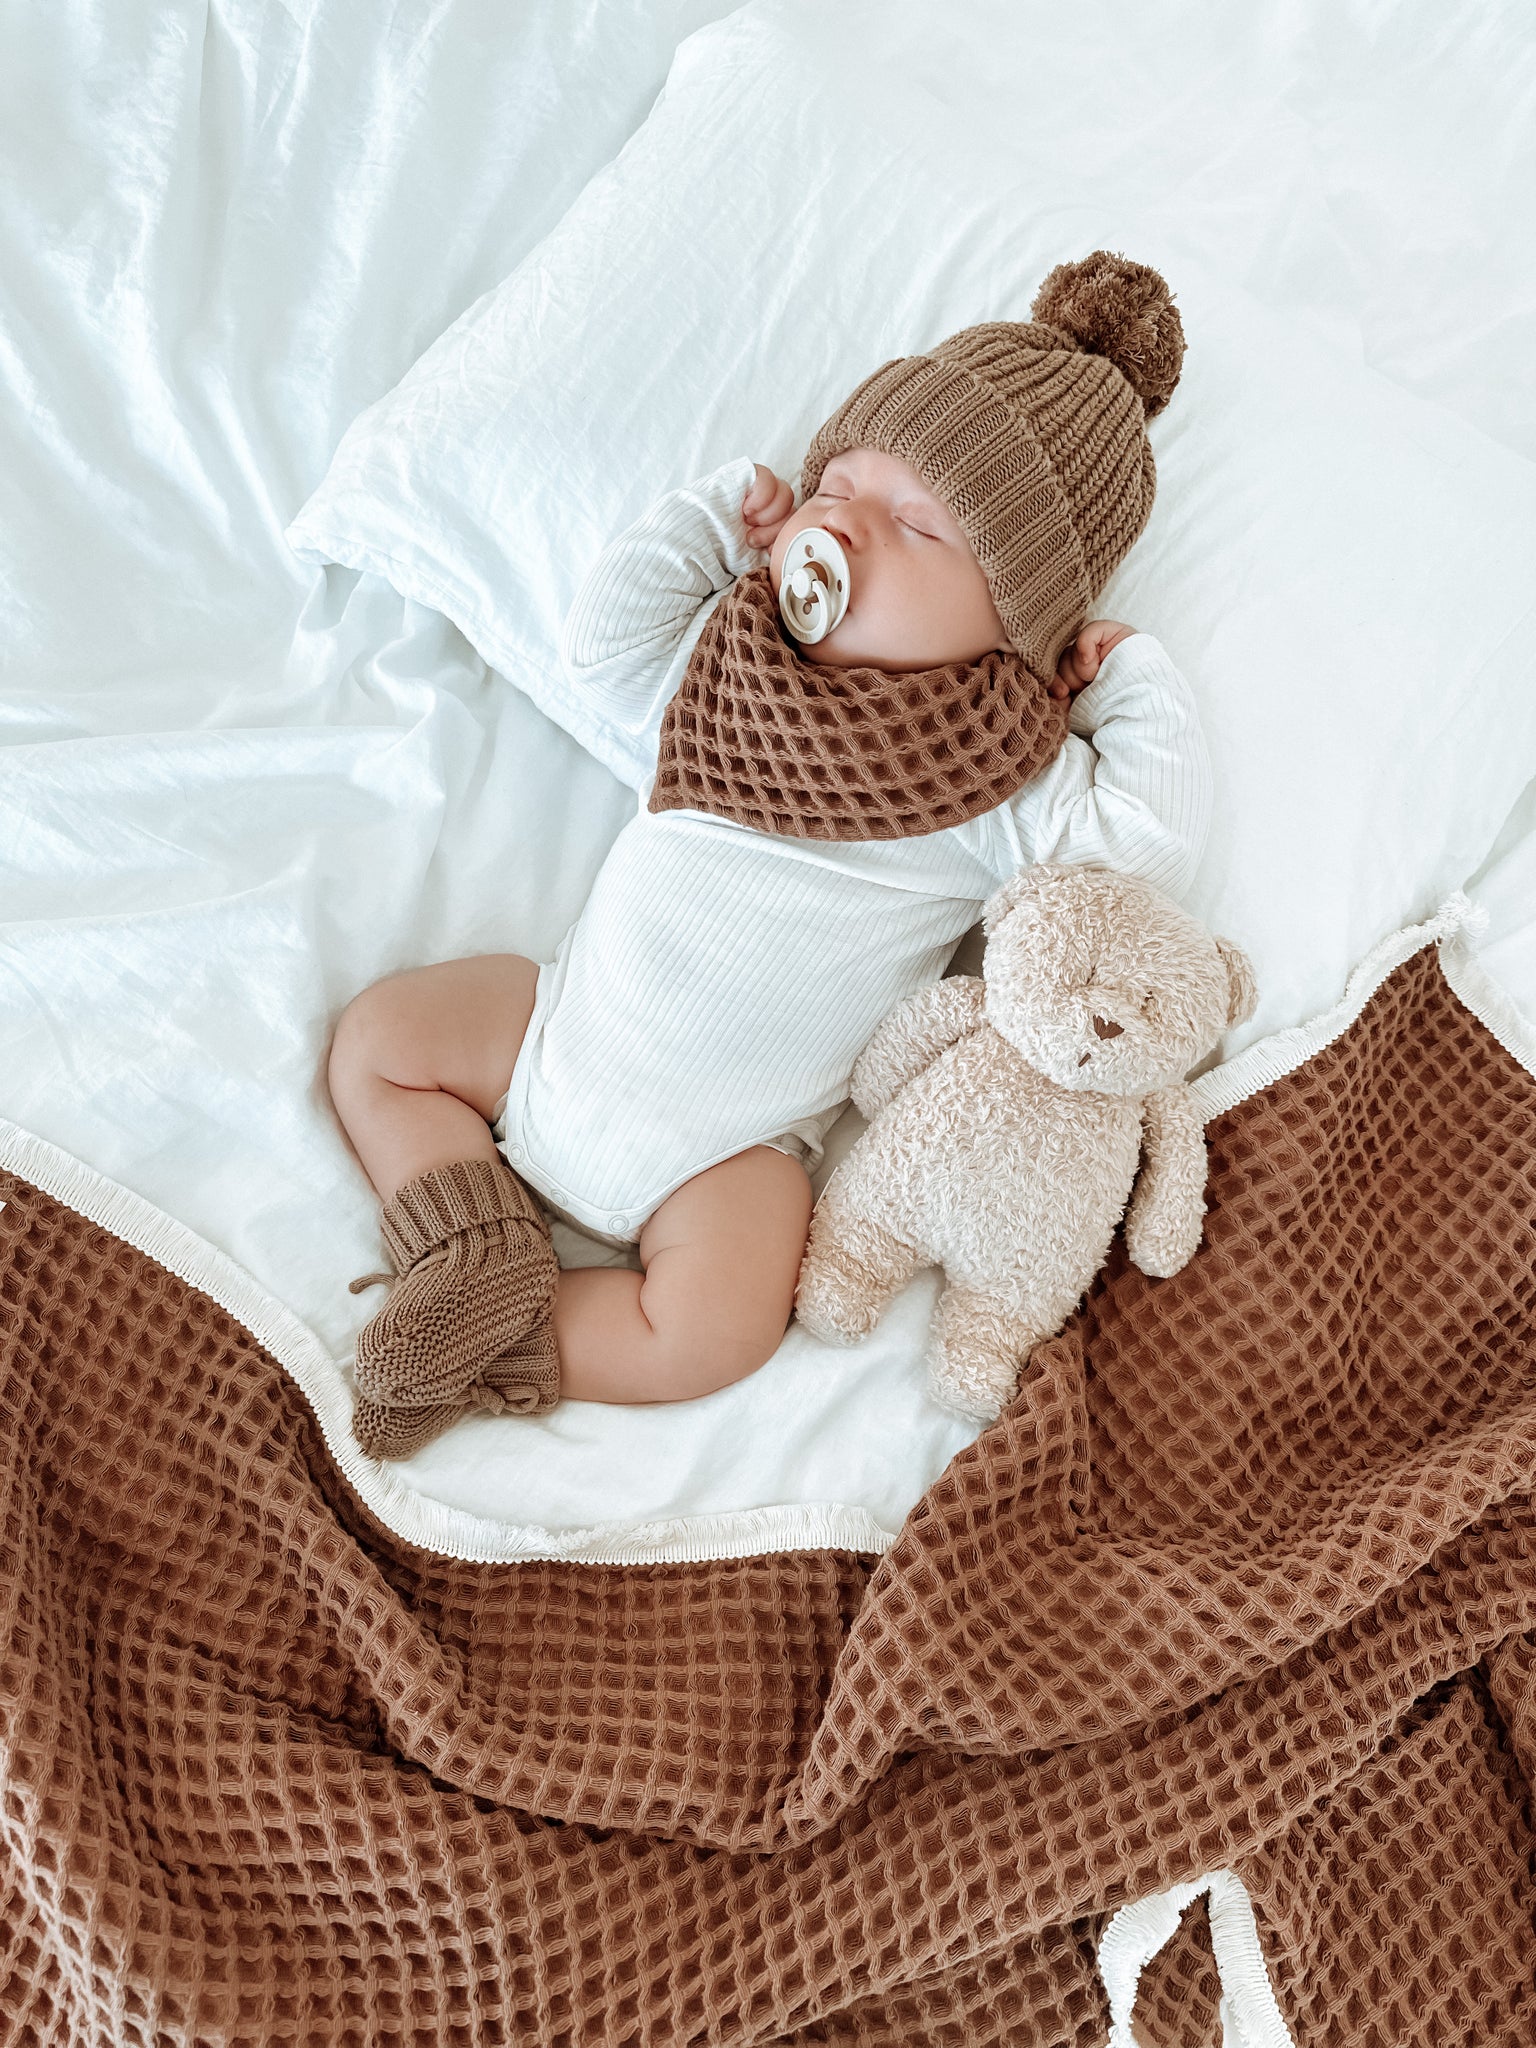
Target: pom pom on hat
<point x="1108" y="306"/>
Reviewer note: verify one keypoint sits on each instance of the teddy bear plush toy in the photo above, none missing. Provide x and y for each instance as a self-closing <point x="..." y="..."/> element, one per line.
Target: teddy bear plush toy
<point x="1008" y="1115"/>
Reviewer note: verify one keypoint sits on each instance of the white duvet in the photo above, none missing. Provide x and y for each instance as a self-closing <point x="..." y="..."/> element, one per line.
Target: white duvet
<point x="237" y="787"/>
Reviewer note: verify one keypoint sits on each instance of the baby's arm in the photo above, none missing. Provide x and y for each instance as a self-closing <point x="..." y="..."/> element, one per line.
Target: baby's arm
<point x="1137" y="794"/>
<point x="633" y="612"/>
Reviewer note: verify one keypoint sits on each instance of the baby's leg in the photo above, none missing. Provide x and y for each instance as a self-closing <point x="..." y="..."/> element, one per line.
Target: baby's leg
<point x="416" y="1068"/>
<point x="721" y="1255"/>
<point x="420" y="1060"/>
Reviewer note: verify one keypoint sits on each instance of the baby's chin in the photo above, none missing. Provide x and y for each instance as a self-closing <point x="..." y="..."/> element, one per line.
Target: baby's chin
<point x="833" y="651"/>
<point x="836" y="652"/>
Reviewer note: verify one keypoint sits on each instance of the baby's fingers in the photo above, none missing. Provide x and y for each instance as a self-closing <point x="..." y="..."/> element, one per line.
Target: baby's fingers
<point x="764" y="520"/>
<point x="1077" y="667"/>
<point x="779" y="507"/>
<point x="763" y="494"/>
<point x="1106" y="634"/>
<point x="759" y="492"/>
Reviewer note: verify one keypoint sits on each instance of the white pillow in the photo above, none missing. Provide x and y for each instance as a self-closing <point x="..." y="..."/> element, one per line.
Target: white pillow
<point x="1342" y="570"/>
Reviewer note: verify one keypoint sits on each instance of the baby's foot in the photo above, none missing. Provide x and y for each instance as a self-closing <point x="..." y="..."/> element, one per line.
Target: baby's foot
<point x="469" y="1323"/>
<point x="525" y="1382"/>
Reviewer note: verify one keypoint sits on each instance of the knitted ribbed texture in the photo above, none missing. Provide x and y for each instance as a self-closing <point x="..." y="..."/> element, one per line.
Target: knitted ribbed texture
<point x="759" y="734"/>
<point x="1033" y="434"/>
<point x="469" y="1323"/>
<point x="1245" y="1579"/>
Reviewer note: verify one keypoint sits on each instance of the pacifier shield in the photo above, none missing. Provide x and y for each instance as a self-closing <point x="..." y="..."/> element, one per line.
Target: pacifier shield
<point x="815" y="585"/>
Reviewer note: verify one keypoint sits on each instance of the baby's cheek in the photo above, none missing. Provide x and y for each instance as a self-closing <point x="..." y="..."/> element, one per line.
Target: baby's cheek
<point x="776" y="557"/>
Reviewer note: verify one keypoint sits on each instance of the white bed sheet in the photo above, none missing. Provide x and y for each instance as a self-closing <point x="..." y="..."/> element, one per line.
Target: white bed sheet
<point x="236" y="791"/>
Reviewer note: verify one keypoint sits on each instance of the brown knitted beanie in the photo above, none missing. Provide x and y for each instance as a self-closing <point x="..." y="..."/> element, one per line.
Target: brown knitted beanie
<point x="469" y="1324"/>
<point x="1033" y="434"/>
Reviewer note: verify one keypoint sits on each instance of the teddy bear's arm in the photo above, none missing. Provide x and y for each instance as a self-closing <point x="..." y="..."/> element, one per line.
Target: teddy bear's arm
<point x="1164" y="1221"/>
<point x="913" y="1036"/>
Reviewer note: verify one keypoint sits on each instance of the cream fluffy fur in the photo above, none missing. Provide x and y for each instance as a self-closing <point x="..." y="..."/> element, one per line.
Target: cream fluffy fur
<point x="1007" y="1118"/>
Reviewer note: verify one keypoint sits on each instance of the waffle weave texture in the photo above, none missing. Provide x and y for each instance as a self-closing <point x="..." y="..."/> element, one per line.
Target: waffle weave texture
<point x="1245" y="1578"/>
<point x="756" y="733"/>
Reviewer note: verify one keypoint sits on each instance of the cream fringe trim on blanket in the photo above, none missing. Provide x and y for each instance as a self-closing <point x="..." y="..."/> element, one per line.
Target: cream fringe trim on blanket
<point x="449" y="1532"/>
<point x="1284" y="1051"/>
<point x="1250" y="2018"/>
<point x="749" y="1532"/>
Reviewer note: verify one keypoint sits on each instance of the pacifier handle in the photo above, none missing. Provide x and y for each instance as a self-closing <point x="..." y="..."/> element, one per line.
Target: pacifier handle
<point x="815" y="585"/>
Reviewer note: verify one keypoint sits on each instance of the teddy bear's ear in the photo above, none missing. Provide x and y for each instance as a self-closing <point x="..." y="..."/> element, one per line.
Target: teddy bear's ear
<point x="1027" y="882"/>
<point x="1243" y="989"/>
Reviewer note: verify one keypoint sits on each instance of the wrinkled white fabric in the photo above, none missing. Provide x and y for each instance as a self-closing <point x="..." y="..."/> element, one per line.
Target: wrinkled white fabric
<point x="228" y="800"/>
<point x="234" y="789"/>
<point x="1341" y="570"/>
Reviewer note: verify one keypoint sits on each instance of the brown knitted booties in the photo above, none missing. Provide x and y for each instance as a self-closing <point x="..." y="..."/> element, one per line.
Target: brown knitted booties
<point x="469" y="1324"/>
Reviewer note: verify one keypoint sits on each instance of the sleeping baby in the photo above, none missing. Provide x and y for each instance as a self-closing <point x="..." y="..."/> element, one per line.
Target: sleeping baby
<point x="849" y="721"/>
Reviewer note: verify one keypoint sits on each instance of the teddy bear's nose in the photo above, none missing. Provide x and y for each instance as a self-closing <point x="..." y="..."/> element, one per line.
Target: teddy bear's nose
<point x="1106" y="1029"/>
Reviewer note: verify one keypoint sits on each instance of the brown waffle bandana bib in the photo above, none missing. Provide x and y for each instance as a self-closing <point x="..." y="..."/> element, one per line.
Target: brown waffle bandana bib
<point x="1033" y="434"/>
<point x="759" y="734"/>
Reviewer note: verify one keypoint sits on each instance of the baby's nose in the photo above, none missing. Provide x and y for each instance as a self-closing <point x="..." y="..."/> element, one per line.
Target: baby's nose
<point x="849" y="521"/>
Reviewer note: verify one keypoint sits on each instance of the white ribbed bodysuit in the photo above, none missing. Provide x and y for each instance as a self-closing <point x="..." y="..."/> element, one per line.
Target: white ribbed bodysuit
<point x="720" y="982"/>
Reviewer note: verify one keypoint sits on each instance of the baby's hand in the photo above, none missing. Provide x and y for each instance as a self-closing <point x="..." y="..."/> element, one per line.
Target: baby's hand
<point x="766" y="506"/>
<point x="1081" y="661"/>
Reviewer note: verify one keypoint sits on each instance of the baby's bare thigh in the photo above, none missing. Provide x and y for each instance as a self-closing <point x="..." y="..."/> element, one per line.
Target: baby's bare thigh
<point x="457" y="1025"/>
<point x="722" y="1255"/>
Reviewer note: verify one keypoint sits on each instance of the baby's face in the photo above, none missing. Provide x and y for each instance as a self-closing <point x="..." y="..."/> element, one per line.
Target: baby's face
<point x="919" y="597"/>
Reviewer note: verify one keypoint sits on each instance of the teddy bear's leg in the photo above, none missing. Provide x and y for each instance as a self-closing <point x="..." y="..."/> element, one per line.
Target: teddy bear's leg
<point x="976" y="1347"/>
<point x="852" y="1267"/>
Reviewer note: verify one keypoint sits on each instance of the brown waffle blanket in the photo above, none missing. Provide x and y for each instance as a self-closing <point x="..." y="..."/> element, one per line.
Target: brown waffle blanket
<point x="1246" y="1579"/>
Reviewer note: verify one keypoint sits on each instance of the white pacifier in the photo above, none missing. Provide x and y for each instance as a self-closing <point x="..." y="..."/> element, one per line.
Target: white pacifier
<point x="815" y="585"/>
